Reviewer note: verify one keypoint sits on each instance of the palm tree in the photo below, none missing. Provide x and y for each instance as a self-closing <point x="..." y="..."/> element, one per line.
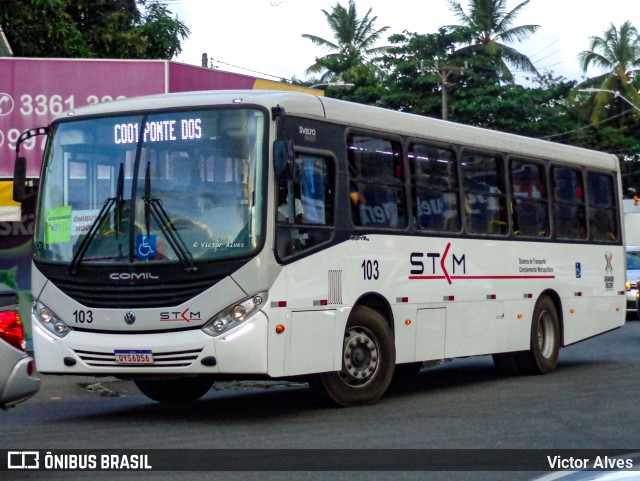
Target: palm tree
<point x="490" y="27"/>
<point x="353" y="46"/>
<point x="618" y="53"/>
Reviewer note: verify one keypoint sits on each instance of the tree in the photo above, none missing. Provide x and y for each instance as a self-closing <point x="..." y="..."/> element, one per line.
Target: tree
<point x="91" y="28"/>
<point x="618" y="53"/>
<point x="489" y="26"/>
<point x="413" y="84"/>
<point x="353" y="47"/>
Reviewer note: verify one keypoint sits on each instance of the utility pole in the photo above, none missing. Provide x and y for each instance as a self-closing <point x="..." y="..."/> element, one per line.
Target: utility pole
<point x="444" y="71"/>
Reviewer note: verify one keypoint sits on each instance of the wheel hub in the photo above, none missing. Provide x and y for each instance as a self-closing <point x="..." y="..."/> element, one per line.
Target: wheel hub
<point x="546" y="338"/>
<point x="361" y="357"/>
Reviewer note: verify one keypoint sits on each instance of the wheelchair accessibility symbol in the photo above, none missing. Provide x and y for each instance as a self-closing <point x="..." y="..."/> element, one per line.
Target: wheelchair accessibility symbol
<point x="146" y="246"/>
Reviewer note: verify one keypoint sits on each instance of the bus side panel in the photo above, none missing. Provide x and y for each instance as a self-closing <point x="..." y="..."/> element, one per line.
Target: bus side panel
<point x="430" y="335"/>
<point x="593" y="300"/>
<point x="482" y="328"/>
<point x="586" y="318"/>
<point x="312" y="341"/>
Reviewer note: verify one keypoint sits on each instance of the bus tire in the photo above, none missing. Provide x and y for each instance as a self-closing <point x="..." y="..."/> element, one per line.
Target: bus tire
<point x="542" y="358"/>
<point x="368" y="361"/>
<point x="175" y="391"/>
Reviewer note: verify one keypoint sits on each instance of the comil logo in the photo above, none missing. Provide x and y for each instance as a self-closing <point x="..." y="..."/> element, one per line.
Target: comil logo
<point x="23" y="460"/>
<point x="132" y="276"/>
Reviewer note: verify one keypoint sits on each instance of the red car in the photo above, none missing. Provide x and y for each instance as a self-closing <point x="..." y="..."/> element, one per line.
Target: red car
<point x="17" y="381"/>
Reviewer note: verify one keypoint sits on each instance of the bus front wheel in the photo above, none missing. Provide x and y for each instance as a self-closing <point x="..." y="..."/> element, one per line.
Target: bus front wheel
<point x="368" y="361"/>
<point x="175" y="391"/>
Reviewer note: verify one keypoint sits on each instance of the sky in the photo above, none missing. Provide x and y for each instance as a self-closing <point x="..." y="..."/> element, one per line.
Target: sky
<point x="263" y="37"/>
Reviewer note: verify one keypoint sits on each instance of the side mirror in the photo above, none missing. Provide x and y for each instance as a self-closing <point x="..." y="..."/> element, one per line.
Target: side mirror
<point x="19" y="179"/>
<point x="283" y="159"/>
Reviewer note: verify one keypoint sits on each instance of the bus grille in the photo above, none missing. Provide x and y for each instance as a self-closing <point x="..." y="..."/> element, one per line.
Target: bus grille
<point x="136" y="296"/>
<point x="160" y="359"/>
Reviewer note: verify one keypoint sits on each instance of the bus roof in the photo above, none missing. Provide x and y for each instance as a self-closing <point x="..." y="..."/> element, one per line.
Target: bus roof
<point x="365" y="117"/>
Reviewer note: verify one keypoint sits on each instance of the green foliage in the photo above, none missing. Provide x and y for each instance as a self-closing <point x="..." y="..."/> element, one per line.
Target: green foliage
<point x="617" y="52"/>
<point x="412" y="84"/>
<point x="91" y="29"/>
<point x="352" y="47"/>
<point x="490" y="29"/>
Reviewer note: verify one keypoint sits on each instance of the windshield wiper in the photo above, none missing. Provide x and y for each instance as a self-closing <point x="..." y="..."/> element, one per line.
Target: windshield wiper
<point x="118" y="201"/>
<point x="153" y="207"/>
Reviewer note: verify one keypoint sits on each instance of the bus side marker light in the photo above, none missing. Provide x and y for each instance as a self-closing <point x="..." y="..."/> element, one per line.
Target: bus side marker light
<point x="572" y="311"/>
<point x="491" y="297"/>
<point x="448" y="298"/>
<point x="407" y="322"/>
<point x="519" y="316"/>
<point x="279" y="329"/>
<point x="617" y="309"/>
<point x="578" y="294"/>
<point x="402" y="299"/>
<point x="279" y="304"/>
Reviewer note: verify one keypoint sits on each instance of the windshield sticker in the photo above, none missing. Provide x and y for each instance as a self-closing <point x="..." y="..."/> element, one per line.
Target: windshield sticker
<point x="58" y="221"/>
<point x="81" y="221"/>
<point x="146" y="246"/>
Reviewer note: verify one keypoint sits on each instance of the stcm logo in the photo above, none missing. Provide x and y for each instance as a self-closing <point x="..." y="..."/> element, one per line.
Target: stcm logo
<point x="6" y="104"/>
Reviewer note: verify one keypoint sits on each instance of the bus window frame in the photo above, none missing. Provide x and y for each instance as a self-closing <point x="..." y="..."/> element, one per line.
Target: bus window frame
<point x="547" y="199"/>
<point x="616" y="207"/>
<point x="410" y="188"/>
<point x="329" y="156"/>
<point x="502" y="158"/>
<point x="395" y="140"/>
<point x="586" y="239"/>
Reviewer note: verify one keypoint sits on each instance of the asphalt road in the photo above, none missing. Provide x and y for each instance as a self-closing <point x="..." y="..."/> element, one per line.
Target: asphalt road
<point x="591" y="402"/>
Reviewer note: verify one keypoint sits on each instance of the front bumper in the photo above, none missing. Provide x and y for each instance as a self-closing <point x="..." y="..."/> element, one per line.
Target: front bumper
<point x="242" y="350"/>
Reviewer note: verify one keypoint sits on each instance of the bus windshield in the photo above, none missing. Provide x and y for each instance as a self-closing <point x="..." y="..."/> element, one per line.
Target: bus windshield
<point x="162" y="187"/>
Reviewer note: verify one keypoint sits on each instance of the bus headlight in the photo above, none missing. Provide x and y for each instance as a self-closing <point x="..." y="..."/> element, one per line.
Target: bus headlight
<point x="49" y="320"/>
<point x="234" y="315"/>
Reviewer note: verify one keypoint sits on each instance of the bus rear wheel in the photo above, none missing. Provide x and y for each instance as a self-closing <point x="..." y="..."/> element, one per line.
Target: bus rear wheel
<point x="368" y="361"/>
<point x="175" y="391"/>
<point x="542" y="358"/>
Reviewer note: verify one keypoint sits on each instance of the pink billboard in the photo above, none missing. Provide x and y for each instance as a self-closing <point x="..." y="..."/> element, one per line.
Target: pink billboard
<point x="34" y="91"/>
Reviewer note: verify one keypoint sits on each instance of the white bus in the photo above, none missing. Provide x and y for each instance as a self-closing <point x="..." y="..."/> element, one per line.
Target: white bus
<point x="188" y="237"/>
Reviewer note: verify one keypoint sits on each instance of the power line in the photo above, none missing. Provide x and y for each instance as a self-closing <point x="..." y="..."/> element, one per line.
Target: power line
<point x="279" y="77"/>
<point x="550" y="55"/>
<point x="542" y="50"/>
<point x="588" y="126"/>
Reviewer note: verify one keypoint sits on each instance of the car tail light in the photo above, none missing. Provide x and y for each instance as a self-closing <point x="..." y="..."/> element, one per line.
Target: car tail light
<point x="11" y="330"/>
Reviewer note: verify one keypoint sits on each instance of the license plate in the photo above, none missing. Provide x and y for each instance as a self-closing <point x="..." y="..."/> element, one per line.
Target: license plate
<point x="133" y="357"/>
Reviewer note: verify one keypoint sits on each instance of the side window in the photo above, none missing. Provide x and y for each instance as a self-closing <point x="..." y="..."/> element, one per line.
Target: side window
<point x="603" y="224"/>
<point x="530" y="206"/>
<point x="376" y="186"/>
<point x="305" y="205"/>
<point x="484" y="194"/>
<point x="569" y="220"/>
<point x="434" y="182"/>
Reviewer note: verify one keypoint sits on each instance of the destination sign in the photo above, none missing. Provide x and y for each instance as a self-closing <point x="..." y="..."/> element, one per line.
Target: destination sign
<point x="158" y="131"/>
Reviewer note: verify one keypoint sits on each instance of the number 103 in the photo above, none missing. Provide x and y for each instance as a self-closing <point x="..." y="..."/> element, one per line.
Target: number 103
<point x="370" y="270"/>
